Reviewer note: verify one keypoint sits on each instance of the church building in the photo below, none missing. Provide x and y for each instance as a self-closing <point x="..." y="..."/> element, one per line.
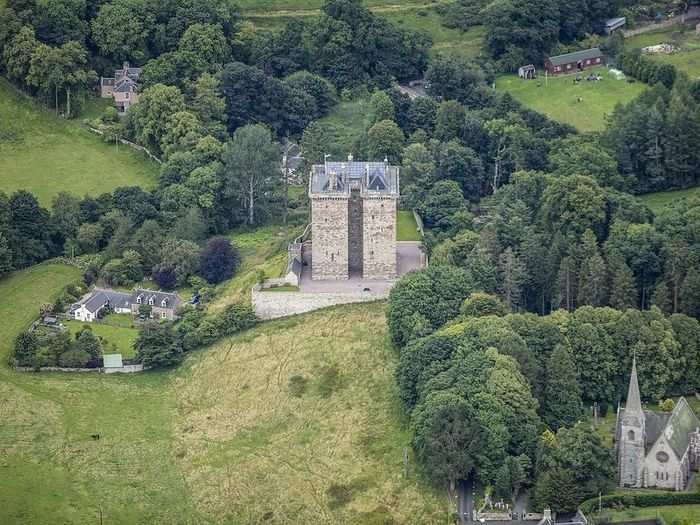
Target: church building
<point x="655" y="449"/>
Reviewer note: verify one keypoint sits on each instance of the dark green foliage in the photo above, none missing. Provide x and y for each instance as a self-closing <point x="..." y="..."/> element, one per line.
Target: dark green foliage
<point x="640" y="500"/>
<point x="219" y="260"/>
<point x="25" y="349"/>
<point x="481" y="305"/>
<point x="562" y="394"/>
<point x="74" y="358"/>
<point x="436" y="293"/>
<point x="157" y="345"/>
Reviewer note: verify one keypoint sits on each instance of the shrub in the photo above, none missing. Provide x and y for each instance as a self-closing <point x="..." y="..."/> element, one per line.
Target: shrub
<point x="218" y="261"/>
<point x="74" y="358"/>
<point x="158" y="345"/>
<point x="482" y="304"/>
<point x="25" y="349"/>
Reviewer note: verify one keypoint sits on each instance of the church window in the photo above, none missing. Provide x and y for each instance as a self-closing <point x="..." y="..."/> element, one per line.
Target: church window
<point x="630" y="435"/>
<point x="662" y="456"/>
<point x="657" y="474"/>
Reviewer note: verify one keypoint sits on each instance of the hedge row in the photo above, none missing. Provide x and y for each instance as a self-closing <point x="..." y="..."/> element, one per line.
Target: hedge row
<point x="641" y="500"/>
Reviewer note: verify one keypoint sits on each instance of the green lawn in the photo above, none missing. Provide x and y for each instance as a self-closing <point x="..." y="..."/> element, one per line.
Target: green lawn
<point x="345" y="125"/>
<point x="121" y="337"/>
<point x="406" y="227"/>
<point x="686" y="59"/>
<point x="265" y="427"/>
<point x="668" y="513"/>
<point x="658" y="200"/>
<point x="558" y="97"/>
<point x="45" y="154"/>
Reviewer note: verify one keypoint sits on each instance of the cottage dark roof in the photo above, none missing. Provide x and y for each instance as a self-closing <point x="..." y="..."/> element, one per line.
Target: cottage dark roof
<point x="125" y="85"/>
<point x="618" y="21"/>
<point x="107" y="81"/>
<point x="577" y="56"/>
<point x="171" y="300"/>
<point x="101" y="297"/>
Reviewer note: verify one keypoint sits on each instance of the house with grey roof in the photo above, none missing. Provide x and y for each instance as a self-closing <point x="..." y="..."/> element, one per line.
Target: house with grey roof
<point x="163" y="305"/>
<point x="573" y="62"/>
<point x="100" y="298"/>
<point x="655" y="449"/>
<point x="122" y="87"/>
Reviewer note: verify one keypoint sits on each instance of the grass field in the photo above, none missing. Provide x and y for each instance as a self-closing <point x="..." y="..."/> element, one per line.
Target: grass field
<point x="44" y="154"/>
<point x="406" y="227"/>
<point x="121" y="337"/>
<point x="557" y="98"/>
<point x="686" y="59"/>
<point x="658" y="200"/>
<point x="296" y="421"/>
<point x="345" y="125"/>
<point x="668" y="513"/>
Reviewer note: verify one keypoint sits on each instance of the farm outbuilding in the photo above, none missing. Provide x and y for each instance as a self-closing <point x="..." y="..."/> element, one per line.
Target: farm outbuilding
<point x="573" y="62"/>
<point x="527" y="72"/>
<point x="613" y="24"/>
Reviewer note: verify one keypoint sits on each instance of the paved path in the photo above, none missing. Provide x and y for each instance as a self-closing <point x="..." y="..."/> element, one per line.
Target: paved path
<point x="465" y="501"/>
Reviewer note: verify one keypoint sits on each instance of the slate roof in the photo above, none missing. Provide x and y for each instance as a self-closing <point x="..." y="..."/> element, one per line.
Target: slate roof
<point x="681" y="423"/>
<point x="618" y="21"/>
<point x="369" y="176"/>
<point x="574" y="57"/>
<point x="101" y="297"/>
<point x="172" y="300"/>
<point x="125" y="85"/>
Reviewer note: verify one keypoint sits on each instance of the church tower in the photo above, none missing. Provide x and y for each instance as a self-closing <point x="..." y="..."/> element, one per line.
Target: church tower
<point x="631" y="451"/>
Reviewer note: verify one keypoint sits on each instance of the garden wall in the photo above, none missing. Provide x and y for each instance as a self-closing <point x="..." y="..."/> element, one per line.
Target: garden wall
<point x="275" y="304"/>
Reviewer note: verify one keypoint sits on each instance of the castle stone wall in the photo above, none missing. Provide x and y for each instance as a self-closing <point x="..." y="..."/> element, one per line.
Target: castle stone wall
<point x="329" y="257"/>
<point x="355" y="231"/>
<point x="379" y="237"/>
<point x="273" y="305"/>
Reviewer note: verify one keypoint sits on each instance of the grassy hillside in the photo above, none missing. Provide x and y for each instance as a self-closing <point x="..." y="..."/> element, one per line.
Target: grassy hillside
<point x="687" y="58"/>
<point x="558" y="97"/>
<point x="295" y="421"/>
<point x="44" y="154"/>
<point x="658" y="200"/>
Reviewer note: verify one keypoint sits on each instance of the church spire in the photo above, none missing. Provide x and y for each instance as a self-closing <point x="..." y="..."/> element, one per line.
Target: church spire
<point x="634" y="403"/>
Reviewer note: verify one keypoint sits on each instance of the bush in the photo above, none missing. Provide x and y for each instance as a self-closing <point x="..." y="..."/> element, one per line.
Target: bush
<point x="218" y="261"/>
<point x="158" y="345"/>
<point x="74" y="358"/>
<point x="641" y="500"/>
<point x="482" y="304"/>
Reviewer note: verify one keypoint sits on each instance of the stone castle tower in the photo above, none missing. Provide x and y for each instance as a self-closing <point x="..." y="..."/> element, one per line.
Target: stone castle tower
<point x="353" y="215"/>
<point x="632" y="437"/>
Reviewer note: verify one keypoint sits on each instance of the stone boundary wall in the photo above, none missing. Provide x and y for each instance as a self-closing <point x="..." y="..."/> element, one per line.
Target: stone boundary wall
<point x="273" y="305"/>
<point x="692" y="14"/>
<point x="126" y="369"/>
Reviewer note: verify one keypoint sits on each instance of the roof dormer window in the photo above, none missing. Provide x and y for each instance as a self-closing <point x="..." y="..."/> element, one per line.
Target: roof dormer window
<point x="150" y="301"/>
<point x="164" y="303"/>
<point x="138" y="300"/>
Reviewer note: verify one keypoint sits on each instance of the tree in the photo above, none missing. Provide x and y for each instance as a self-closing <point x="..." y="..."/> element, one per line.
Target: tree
<point x="183" y="131"/>
<point x="207" y="46"/>
<point x="443" y="205"/>
<point x="623" y="292"/>
<point x="158" y="345"/>
<point x="449" y="122"/>
<point x="513" y="476"/>
<point x="446" y="437"/>
<point x="592" y="273"/>
<point x="25" y="349"/>
<point x="180" y="256"/>
<point x="562" y="394"/>
<point x="455" y="78"/>
<point x="5" y="256"/>
<point x="417" y="166"/>
<point x="218" y="261"/>
<point x="87" y="342"/>
<point x="150" y="117"/>
<point x="18" y="53"/>
<point x="208" y="105"/>
<point x="251" y="167"/>
<point x="481" y="304"/>
<point x="382" y="107"/>
<point x="28" y="233"/>
<point x="512" y="279"/>
<point x="385" y="141"/>
<point x="436" y="293"/>
<point x="121" y="30"/>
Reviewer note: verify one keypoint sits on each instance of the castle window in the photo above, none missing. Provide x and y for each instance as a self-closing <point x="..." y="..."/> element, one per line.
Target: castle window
<point x="657" y="474"/>
<point x="332" y="257"/>
<point x="630" y="435"/>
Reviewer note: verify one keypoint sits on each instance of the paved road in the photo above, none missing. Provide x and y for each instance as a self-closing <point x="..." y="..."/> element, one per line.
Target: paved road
<point x="465" y="501"/>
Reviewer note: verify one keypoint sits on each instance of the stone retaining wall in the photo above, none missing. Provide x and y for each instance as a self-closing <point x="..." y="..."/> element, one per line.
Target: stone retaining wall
<point x="273" y="305"/>
<point x="126" y="369"/>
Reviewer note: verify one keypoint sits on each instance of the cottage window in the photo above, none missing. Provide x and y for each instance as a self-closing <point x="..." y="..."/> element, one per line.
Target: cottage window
<point x="568" y="66"/>
<point x="558" y="68"/>
<point x="597" y="60"/>
<point x="162" y="315"/>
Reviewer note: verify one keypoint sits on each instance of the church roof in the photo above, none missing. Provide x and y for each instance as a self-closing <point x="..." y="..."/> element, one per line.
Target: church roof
<point x="681" y="423"/>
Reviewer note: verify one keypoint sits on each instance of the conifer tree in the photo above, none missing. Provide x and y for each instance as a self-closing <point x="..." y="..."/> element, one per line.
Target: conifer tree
<point x="623" y="292"/>
<point x="592" y="273"/>
<point x="562" y="406"/>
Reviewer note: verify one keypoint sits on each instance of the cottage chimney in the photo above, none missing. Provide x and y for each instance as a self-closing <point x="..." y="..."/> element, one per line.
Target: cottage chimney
<point x="125" y="66"/>
<point x="332" y="181"/>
